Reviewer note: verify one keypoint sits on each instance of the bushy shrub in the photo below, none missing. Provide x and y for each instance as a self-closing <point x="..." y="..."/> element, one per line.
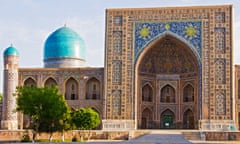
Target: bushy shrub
<point x="74" y="139"/>
<point x="25" y="137"/>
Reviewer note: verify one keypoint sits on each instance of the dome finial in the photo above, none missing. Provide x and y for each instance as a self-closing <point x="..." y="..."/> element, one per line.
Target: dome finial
<point x="65" y="24"/>
<point x="11" y="45"/>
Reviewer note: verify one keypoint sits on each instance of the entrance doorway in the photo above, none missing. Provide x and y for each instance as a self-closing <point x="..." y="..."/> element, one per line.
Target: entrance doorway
<point x="146" y="119"/>
<point x="188" y="119"/>
<point x="167" y="119"/>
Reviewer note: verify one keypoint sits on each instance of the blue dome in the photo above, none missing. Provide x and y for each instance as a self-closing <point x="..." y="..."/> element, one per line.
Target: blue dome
<point x="11" y="51"/>
<point x="64" y="43"/>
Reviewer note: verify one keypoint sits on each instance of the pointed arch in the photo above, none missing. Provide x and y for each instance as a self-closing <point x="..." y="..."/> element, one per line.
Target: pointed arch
<point x="30" y="82"/>
<point x="167" y="59"/>
<point x="50" y="82"/>
<point x="172" y="35"/>
<point x="147" y="93"/>
<point x="188" y="93"/>
<point x="188" y="119"/>
<point x="71" y="89"/>
<point x="93" y="89"/>
<point x="167" y="119"/>
<point x="168" y="94"/>
<point x="147" y="118"/>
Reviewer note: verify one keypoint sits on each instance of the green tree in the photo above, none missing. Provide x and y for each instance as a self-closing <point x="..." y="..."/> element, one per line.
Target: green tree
<point x="85" y="119"/>
<point x="1" y="97"/>
<point x="46" y="107"/>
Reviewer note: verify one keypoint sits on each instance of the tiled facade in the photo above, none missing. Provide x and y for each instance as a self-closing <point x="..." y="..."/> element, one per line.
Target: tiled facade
<point x="170" y="48"/>
<point x="164" y="68"/>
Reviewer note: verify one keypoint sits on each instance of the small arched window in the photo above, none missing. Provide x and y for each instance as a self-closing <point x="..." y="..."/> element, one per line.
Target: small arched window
<point x="147" y="93"/>
<point x="71" y="92"/>
<point x="188" y="93"/>
<point x="168" y="94"/>
<point x="93" y="89"/>
<point x="30" y="82"/>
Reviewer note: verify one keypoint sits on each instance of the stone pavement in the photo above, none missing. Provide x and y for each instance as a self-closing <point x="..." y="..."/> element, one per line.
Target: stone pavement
<point x="159" y="139"/>
<point x="152" y="138"/>
<point x="163" y="137"/>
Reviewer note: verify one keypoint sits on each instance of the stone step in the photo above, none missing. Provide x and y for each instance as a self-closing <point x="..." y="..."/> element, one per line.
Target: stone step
<point x="192" y="135"/>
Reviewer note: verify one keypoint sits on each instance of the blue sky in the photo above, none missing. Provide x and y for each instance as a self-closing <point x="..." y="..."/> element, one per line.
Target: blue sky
<point x="27" y="23"/>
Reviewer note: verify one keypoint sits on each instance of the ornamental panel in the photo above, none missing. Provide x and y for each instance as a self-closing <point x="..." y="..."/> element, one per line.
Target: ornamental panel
<point x="116" y="102"/>
<point x="220" y="71"/>
<point x="189" y="32"/>
<point x="220" y="103"/>
<point x="117" y="43"/>
<point x="220" y="40"/>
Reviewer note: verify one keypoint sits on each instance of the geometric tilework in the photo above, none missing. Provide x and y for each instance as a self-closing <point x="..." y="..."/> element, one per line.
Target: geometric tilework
<point x="116" y="70"/>
<point x="117" y="42"/>
<point x="220" y="72"/>
<point x="220" y="40"/>
<point x="116" y="102"/>
<point x="220" y="103"/>
<point x="168" y="57"/>
<point x="118" y="20"/>
<point x="220" y="17"/>
<point x="189" y="32"/>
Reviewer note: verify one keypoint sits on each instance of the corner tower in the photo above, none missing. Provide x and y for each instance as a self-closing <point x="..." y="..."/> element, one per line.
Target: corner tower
<point x="11" y="60"/>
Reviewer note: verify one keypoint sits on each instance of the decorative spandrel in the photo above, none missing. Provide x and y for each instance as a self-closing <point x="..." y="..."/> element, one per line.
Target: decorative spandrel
<point x="189" y="32"/>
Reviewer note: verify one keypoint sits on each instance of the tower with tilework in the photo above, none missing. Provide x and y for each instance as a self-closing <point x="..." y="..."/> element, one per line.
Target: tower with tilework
<point x="9" y="119"/>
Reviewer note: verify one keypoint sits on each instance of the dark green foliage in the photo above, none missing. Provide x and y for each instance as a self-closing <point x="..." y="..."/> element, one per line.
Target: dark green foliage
<point x="46" y="107"/>
<point x="74" y="139"/>
<point x="1" y="97"/>
<point x="25" y="137"/>
<point x="85" y="119"/>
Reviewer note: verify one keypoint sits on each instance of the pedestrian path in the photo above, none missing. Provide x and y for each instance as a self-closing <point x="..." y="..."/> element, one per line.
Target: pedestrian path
<point x="159" y="139"/>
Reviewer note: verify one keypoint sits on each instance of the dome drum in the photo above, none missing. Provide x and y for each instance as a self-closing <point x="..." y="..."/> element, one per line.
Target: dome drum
<point x="63" y="62"/>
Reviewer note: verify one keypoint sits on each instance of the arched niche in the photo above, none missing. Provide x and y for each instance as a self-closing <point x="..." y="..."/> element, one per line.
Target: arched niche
<point x="50" y="82"/>
<point x="71" y="89"/>
<point x="93" y="89"/>
<point x="188" y="93"/>
<point x="30" y="82"/>
<point x="147" y="93"/>
<point x="168" y="94"/>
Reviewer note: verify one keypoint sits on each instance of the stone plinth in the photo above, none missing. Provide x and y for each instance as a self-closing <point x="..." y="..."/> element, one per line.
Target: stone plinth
<point x="9" y="124"/>
<point x="217" y="125"/>
<point x="118" y="124"/>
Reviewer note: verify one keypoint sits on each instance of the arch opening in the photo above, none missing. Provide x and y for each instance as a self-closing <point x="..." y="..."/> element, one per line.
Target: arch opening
<point x="50" y="82"/>
<point x="71" y="89"/>
<point x="173" y="69"/>
<point x="93" y="89"/>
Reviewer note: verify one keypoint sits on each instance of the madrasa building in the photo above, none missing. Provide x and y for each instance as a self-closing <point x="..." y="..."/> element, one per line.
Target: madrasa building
<point x="165" y="68"/>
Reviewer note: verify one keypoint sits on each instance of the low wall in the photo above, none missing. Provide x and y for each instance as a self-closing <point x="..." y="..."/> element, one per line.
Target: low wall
<point x="94" y="134"/>
<point x="222" y="136"/>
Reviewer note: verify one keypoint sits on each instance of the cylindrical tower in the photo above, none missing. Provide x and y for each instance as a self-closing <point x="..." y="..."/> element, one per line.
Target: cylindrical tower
<point x="9" y="116"/>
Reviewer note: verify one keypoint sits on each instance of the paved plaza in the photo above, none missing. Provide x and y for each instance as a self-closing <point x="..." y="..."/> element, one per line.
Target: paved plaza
<point x="152" y="138"/>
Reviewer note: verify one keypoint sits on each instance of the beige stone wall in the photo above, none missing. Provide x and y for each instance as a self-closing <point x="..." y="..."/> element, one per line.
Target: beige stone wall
<point x="81" y="76"/>
<point x="215" y="87"/>
<point x="236" y="88"/>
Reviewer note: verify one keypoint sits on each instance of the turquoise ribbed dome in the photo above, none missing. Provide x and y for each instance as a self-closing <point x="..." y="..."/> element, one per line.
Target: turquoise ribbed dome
<point x="64" y="43"/>
<point x="11" y="51"/>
